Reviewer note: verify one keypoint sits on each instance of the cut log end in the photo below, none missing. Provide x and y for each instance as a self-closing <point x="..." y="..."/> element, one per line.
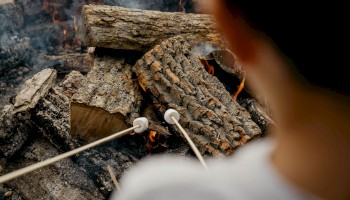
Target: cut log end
<point x="92" y="123"/>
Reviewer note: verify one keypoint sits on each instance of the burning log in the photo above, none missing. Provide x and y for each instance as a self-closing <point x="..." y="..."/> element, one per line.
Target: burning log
<point x="107" y="100"/>
<point x="227" y="61"/>
<point x="176" y="79"/>
<point x="133" y="29"/>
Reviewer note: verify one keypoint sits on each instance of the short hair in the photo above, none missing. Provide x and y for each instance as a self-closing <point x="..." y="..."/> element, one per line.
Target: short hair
<point x="313" y="35"/>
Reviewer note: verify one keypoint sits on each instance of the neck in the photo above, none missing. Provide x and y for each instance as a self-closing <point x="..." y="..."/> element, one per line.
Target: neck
<point x="314" y="143"/>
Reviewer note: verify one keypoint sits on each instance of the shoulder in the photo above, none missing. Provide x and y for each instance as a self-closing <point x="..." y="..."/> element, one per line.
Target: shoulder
<point x="244" y="176"/>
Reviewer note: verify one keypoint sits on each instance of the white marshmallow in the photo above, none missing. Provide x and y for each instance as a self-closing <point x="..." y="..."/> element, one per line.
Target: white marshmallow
<point x="143" y="122"/>
<point x="169" y="113"/>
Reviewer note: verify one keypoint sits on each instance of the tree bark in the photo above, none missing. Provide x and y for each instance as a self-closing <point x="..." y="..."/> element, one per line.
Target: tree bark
<point x="15" y="119"/>
<point x="177" y="79"/>
<point x="132" y="29"/>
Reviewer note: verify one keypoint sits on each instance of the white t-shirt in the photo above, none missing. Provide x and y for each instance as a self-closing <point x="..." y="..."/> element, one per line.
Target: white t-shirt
<point x="245" y="176"/>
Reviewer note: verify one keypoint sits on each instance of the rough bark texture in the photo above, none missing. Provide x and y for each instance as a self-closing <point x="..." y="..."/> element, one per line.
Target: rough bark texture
<point x="107" y="100"/>
<point x="227" y="62"/>
<point x="62" y="180"/>
<point x="132" y="29"/>
<point x="71" y="83"/>
<point x="15" y="119"/>
<point x="34" y="89"/>
<point x="65" y="63"/>
<point x="52" y="116"/>
<point x="14" y="130"/>
<point x="177" y="79"/>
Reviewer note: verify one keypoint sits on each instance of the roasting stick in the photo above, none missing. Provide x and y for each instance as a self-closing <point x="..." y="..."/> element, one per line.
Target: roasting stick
<point x="171" y="116"/>
<point x="114" y="178"/>
<point x="139" y="125"/>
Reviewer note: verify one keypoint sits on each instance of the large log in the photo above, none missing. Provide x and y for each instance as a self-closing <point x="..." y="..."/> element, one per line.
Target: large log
<point x="176" y="79"/>
<point x="132" y="29"/>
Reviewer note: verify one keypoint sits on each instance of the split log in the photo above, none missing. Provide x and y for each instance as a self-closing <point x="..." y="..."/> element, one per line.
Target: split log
<point x="62" y="180"/>
<point x="132" y="29"/>
<point x="51" y="115"/>
<point x="107" y="100"/>
<point x="177" y="79"/>
<point x="15" y="123"/>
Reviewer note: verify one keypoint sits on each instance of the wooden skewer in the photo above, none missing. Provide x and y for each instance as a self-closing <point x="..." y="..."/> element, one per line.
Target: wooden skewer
<point x="175" y="116"/>
<point x="140" y="125"/>
<point x="114" y="178"/>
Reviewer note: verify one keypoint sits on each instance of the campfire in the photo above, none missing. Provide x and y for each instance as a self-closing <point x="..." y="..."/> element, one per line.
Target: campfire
<point x="92" y="69"/>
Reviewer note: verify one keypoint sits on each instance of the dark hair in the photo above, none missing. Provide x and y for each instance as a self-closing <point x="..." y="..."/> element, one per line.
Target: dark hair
<point x="313" y="35"/>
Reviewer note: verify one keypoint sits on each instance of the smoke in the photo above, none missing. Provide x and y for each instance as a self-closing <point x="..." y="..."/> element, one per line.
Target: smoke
<point x="203" y="49"/>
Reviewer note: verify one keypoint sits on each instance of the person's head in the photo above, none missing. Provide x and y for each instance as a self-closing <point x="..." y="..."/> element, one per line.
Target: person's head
<point x="287" y="45"/>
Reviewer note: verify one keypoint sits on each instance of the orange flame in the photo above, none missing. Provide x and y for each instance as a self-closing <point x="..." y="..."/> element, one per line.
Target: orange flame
<point x="141" y="85"/>
<point x="208" y="67"/>
<point x="239" y="90"/>
<point x="152" y="136"/>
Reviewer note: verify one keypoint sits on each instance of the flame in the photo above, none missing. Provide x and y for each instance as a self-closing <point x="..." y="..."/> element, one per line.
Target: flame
<point x="239" y="90"/>
<point x="208" y="67"/>
<point x="141" y="85"/>
<point x="183" y="9"/>
<point x="152" y="136"/>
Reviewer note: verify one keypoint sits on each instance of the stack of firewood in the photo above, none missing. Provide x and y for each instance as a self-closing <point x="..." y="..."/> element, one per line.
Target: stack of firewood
<point x="145" y="62"/>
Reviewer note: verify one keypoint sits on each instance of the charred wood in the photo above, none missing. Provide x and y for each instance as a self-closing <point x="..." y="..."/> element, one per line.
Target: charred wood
<point x="15" y="119"/>
<point x="132" y="29"/>
<point x="51" y="116"/>
<point x="10" y="17"/>
<point x="62" y="180"/>
<point x="14" y="50"/>
<point x="94" y="162"/>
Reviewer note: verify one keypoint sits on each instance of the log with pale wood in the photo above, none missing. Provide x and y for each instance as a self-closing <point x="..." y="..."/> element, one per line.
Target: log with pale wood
<point x="132" y="29"/>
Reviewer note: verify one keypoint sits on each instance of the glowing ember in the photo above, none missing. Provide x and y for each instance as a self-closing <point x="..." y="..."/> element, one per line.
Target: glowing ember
<point x="152" y="136"/>
<point x="239" y="90"/>
<point x="208" y="67"/>
<point x="141" y="85"/>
